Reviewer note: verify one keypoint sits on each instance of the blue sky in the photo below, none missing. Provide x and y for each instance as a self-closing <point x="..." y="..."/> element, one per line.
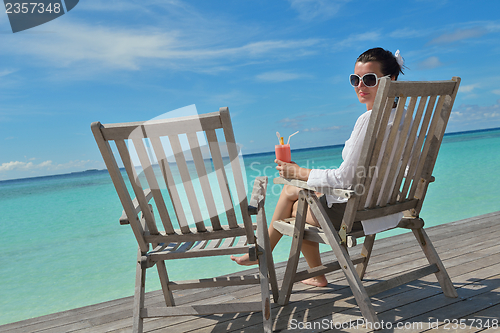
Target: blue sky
<point x="279" y="65"/>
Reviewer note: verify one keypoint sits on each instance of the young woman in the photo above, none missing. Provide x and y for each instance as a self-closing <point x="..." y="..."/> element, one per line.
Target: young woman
<point x="369" y="68"/>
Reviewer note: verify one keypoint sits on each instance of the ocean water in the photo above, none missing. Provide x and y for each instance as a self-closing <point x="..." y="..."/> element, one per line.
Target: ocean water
<point x="62" y="246"/>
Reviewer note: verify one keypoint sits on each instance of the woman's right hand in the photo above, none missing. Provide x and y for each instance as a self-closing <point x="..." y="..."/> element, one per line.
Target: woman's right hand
<point x="291" y="170"/>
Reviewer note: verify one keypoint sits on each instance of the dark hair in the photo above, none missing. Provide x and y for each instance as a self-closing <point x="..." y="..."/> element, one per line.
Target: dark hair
<point x="388" y="63"/>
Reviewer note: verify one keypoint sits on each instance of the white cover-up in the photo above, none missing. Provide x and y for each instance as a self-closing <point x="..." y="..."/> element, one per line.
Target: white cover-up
<point x="343" y="176"/>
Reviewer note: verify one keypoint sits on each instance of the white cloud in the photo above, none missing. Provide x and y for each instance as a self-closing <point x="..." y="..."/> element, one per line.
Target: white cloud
<point x="95" y="47"/>
<point x="176" y="36"/>
<point x="292" y="122"/>
<point x="229" y="98"/>
<point x="109" y="5"/>
<point x="279" y="76"/>
<point x="6" y="72"/>
<point x="108" y="47"/>
<point x="408" y="33"/>
<point x="44" y="166"/>
<point x="489" y="114"/>
<point x="317" y="9"/>
<point x="322" y="129"/>
<point x="450" y="33"/>
<point x="468" y="88"/>
<point x="358" y="38"/>
<point x="304" y="121"/>
<point x="129" y="5"/>
<point x="459" y="34"/>
<point x="261" y="49"/>
<point x="430" y="63"/>
<point x="17" y="165"/>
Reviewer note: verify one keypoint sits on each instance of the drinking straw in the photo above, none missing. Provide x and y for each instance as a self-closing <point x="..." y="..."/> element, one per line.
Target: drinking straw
<point x="288" y="142"/>
<point x="278" y="135"/>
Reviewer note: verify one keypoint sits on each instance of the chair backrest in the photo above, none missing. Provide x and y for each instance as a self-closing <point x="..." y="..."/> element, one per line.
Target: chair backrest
<point x="401" y="146"/>
<point x="189" y="166"/>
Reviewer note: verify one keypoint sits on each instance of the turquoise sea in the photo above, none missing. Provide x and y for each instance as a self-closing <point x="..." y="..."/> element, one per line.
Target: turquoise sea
<point x="62" y="246"/>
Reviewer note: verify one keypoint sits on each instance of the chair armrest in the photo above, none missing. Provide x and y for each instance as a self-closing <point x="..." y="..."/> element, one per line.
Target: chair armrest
<point x="326" y="190"/>
<point x="124" y="219"/>
<point x="258" y="196"/>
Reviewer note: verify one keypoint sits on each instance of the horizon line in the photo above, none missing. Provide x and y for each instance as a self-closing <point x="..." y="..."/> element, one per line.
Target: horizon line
<point x="243" y="155"/>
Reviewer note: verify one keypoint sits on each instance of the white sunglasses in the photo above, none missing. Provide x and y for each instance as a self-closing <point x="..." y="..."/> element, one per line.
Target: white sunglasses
<point x="369" y="79"/>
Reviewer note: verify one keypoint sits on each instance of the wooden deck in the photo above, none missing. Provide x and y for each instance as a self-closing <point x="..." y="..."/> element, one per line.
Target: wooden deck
<point x="470" y="249"/>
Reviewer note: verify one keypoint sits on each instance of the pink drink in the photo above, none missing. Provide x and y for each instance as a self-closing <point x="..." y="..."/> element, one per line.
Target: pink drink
<point x="283" y="153"/>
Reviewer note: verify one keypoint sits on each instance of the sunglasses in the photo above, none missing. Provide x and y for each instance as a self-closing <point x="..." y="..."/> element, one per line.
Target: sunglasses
<point x="369" y="79"/>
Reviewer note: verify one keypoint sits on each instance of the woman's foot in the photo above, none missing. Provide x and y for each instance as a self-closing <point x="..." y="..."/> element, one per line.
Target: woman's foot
<point x="244" y="260"/>
<point x="317" y="281"/>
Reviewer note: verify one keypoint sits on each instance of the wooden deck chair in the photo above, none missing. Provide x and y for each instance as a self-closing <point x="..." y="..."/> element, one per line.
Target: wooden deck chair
<point x="190" y="169"/>
<point x="405" y="161"/>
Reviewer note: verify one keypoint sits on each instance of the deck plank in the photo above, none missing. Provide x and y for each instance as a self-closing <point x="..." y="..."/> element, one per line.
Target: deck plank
<point x="469" y="249"/>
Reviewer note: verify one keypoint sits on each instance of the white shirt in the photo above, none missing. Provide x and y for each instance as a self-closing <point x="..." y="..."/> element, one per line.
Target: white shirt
<point x="343" y="176"/>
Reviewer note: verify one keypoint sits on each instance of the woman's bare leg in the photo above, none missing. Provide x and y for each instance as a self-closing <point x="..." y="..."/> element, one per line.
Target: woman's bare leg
<point x="285" y="208"/>
<point x="310" y="250"/>
<point x="289" y="195"/>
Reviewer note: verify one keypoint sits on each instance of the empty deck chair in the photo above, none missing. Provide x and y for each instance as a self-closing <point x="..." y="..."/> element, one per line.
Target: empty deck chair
<point x="187" y="181"/>
<point x="397" y="172"/>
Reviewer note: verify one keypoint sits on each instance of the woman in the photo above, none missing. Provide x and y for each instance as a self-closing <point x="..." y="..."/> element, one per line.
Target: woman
<point x="369" y="68"/>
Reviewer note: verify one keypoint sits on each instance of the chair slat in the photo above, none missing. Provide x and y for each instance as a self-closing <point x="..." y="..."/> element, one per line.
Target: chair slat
<point x="387" y="157"/>
<point x="409" y="150"/>
<point x="215" y="282"/>
<point x="186" y="246"/>
<point x="437" y="136"/>
<point x="242" y="241"/>
<point x="422" y="88"/>
<point x="391" y="186"/>
<point x="427" y="143"/>
<point x="153" y="184"/>
<point x="160" y="128"/>
<point x="203" y="178"/>
<point x="168" y="247"/>
<point x="371" y="182"/>
<point x="236" y="168"/>
<point x="200" y="245"/>
<point x="121" y="188"/>
<point x="170" y="183"/>
<point x="136" y="186"/>
<point x="418" y="146"/>
<point x="195" y="235"/>
<point x="227" y="243"/>
<point x="213" y="144"/>
<point x="366" y="155"/>
<point x="187" y="182"/>
<point x="214" y="244"/>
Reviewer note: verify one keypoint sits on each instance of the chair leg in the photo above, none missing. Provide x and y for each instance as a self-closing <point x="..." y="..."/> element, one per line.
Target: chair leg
<point x="162" y="273"/>
<point x="293" y="260"/>
<point x="344" y="260"/>
<point x="263" y="240"/>
<point x="140" y="283"/>
<point x="433" y="258"/>
<point x="365" y="252"/>
<point x="264" y="288"/>
<point x="265" y="270"/>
